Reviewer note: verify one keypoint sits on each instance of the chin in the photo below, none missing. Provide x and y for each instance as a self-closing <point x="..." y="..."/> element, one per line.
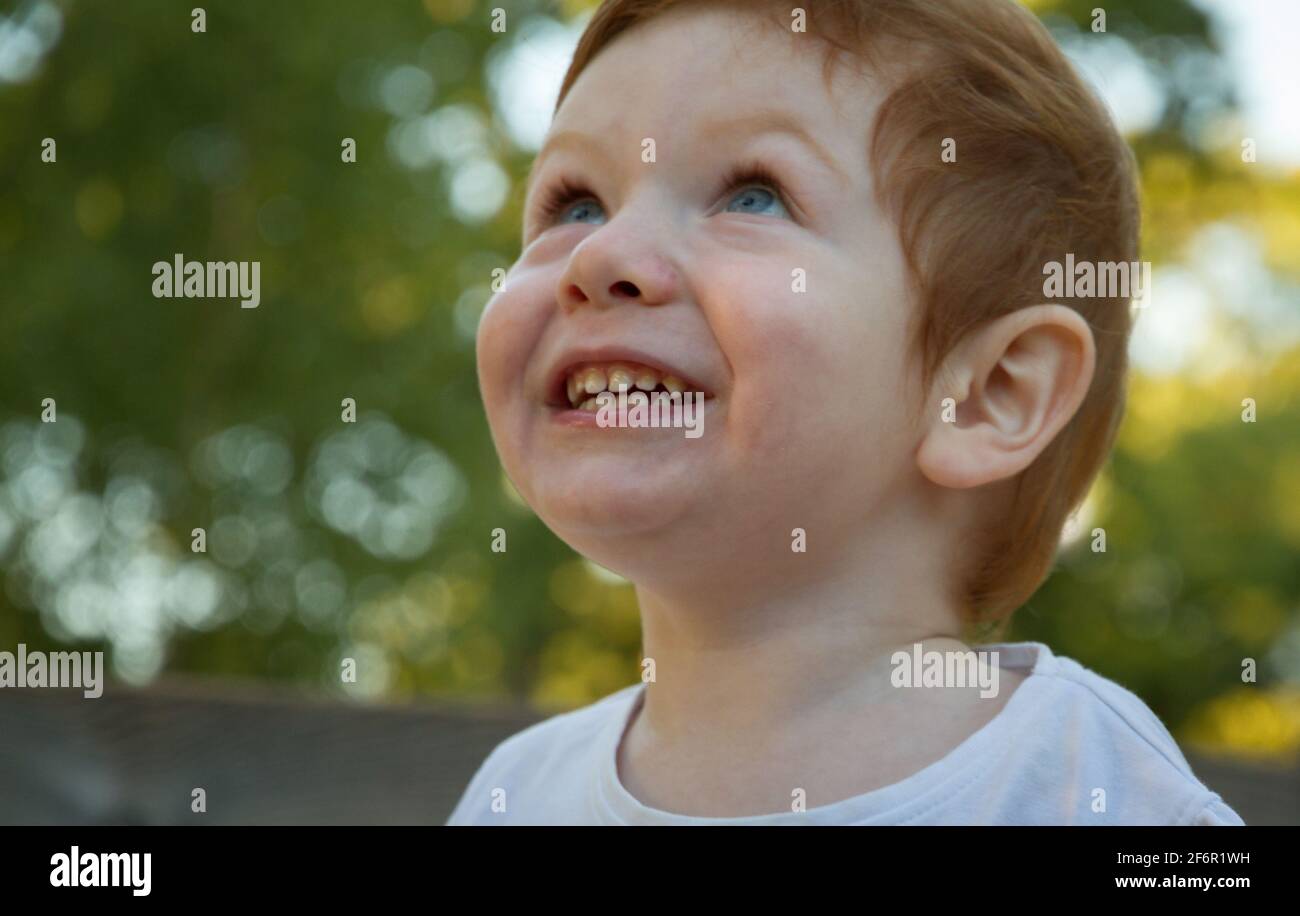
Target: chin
<point x="614" y="501"/>
<point x="611" y="514"/>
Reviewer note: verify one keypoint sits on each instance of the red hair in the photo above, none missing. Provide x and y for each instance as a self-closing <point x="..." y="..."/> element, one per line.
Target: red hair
<point x="1040" y="172"/>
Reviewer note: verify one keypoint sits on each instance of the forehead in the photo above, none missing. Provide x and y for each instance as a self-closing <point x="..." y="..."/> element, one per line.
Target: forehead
<point x="670" y="78"/>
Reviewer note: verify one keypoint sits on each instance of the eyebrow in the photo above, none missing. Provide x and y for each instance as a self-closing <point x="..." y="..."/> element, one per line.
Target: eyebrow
<point x="747" y="126"/>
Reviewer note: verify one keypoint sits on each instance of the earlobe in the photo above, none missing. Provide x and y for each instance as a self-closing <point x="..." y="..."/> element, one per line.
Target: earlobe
<point x="944" y="454"/>
<point x="1013" y="385"/>
<point x="956" y="456"/>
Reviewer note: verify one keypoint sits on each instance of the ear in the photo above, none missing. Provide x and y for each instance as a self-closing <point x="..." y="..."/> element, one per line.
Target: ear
<point x="1016" y="382"/>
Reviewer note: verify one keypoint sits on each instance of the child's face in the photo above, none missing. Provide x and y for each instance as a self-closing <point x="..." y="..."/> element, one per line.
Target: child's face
<point x="806" y="425"/>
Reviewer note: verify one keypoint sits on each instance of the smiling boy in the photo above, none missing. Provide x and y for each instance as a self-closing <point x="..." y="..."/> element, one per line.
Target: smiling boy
<point x="830" y="222"/>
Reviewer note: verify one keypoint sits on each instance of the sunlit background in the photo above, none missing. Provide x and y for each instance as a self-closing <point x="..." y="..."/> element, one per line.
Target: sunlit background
<point x="371" y="541"/>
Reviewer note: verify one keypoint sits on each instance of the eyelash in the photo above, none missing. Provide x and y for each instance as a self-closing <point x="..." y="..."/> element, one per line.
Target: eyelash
<point x="563" y="192"/>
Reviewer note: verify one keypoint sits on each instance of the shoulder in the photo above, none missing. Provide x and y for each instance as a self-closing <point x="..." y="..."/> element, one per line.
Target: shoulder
<point x="564" y="730"/>
<point x="552" y="753"/>
<point x="1106" y="735"/>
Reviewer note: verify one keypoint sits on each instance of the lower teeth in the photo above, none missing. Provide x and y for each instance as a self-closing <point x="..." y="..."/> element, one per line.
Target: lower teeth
<point x="634" y="398"/>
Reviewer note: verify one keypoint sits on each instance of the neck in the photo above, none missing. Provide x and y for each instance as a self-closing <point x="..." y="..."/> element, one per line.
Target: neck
<point x="743" y="663"/>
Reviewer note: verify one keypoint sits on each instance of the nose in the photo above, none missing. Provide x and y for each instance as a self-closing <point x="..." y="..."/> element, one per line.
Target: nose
<point x="619" y="263"/>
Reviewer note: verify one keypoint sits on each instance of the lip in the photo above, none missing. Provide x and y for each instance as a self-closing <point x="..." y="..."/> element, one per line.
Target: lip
<point x="572" y="416"/>
<point x="556" y="397"/>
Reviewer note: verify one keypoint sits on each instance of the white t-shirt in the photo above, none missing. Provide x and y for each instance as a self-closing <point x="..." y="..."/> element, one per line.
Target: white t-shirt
<point x="1065" y="733"/>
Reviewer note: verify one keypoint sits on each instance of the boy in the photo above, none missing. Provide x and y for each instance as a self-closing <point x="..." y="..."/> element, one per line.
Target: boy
<point x="831" y="223"/>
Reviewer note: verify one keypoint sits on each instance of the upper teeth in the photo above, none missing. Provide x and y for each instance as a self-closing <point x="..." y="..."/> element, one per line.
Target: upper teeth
<point x="585" y="383"/>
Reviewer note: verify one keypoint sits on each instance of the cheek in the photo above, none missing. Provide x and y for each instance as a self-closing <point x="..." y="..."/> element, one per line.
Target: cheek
<point x="506" y="334"/>
<point x="501" y="345"/>
<point x="490" y="344"/>
<point x="815" y="384"/>
<point x="803" y="362"/>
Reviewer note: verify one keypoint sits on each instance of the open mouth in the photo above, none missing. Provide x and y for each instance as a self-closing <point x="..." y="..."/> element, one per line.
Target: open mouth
<point x="577" y="387"/>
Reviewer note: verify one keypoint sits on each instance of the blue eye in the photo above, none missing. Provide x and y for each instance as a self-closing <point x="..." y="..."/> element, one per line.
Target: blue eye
<point x="756" y="189"/>
<point x="756" y="199"/>
<point x="754" y="184"/>
<point x="563" y="199"/>
<point x="579" y="208"/>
